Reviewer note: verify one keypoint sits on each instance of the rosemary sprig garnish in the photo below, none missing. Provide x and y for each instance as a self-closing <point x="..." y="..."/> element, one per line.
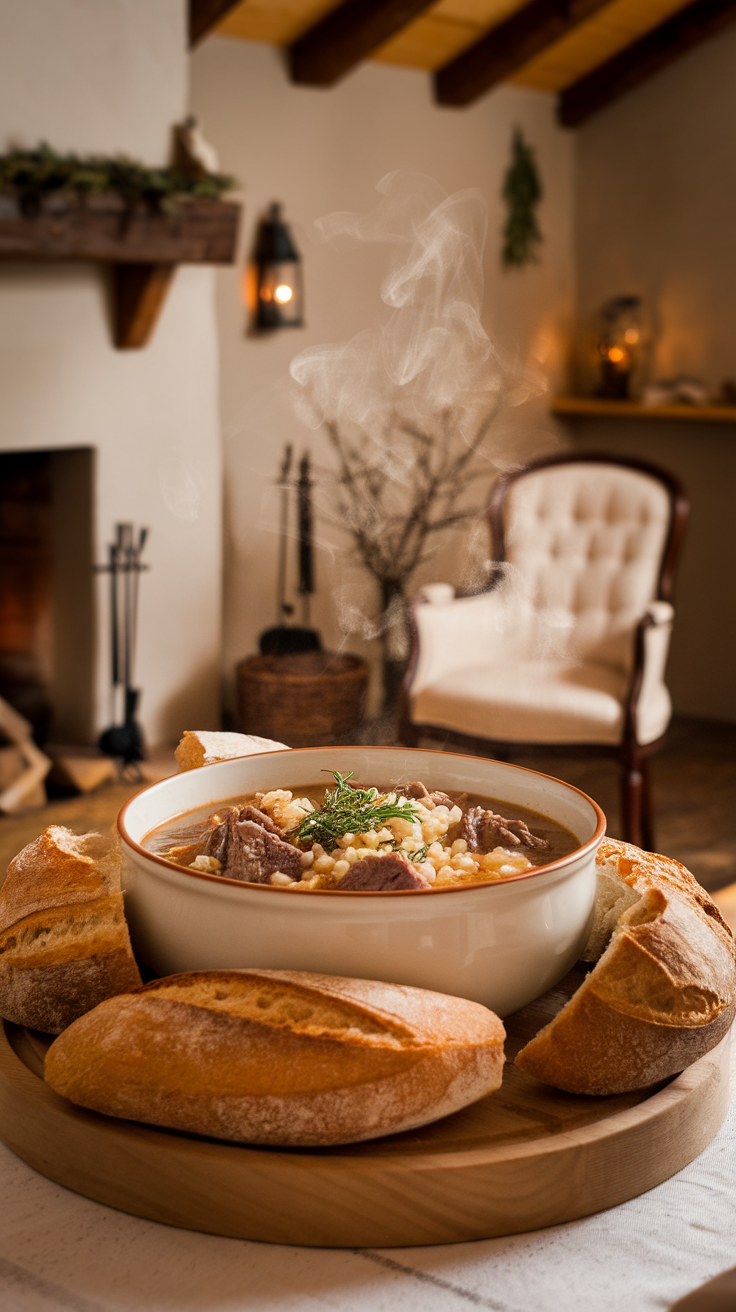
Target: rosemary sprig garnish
<point x="348" y="810"/>
<point x="420" y="854"/>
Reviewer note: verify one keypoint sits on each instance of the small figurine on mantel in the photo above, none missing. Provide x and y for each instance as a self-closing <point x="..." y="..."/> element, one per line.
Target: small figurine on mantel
<point x="193" y="153"/>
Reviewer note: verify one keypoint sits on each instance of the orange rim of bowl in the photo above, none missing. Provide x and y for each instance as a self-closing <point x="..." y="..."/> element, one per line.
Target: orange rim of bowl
<point x="591" y="844"/>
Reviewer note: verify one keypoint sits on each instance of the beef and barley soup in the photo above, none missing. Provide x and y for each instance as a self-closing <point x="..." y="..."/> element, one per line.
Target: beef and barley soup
<point x="354" y="838"/>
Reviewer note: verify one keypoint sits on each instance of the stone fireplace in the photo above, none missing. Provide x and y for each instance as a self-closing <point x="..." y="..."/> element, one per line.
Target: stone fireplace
<point x="47" y="590"/>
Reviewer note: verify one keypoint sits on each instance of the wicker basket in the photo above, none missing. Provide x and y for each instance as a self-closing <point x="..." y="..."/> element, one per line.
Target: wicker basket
<point x="309" y="699"/>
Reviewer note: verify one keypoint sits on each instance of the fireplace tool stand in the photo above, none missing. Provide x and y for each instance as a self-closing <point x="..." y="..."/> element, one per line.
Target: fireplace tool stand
<point x="286" y="639"/>
<point x="124" y="741"/>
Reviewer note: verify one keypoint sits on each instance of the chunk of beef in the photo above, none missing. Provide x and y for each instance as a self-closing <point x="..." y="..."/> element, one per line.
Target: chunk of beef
<point x="260" y="818"/>
<point x="254" y="854"/>
<point x="218" y="841"/>
<point x="482" y="831"/>
<point x="249" y="846"/>
<point x="421" y="793"/>
<point x="381" y="874"/>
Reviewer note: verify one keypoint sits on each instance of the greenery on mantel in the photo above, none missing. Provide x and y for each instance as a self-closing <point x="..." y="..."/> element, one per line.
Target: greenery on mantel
<point x="522" y="191"/>
<point x="33" y="175"/>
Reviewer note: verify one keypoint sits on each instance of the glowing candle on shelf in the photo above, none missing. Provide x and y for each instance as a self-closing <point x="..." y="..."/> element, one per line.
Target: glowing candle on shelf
<point x="619" y="342"/>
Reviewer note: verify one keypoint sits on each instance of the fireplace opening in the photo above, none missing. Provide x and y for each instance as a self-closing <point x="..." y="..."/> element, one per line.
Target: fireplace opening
<point x="47" y="591"/>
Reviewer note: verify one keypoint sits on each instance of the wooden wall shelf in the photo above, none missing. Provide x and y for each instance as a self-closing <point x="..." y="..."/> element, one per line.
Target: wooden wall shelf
<point x="590" y="407"/>
<point x="142" y="246"/>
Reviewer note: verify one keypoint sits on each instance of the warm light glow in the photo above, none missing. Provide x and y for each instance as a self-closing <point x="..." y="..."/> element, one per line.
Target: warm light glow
<point x="631" y="335"/>
<point x="616" y="355"/>
<point x="283" y="294"/>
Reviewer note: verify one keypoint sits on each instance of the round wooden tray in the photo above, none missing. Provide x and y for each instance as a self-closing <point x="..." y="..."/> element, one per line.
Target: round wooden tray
<point x="525" y="1157"/>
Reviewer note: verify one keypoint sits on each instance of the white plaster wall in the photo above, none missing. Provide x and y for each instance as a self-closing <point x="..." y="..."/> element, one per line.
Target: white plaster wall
<point x="656" y="215"/>
<point x="112" y="77"/>
<point x="323" y="150"/>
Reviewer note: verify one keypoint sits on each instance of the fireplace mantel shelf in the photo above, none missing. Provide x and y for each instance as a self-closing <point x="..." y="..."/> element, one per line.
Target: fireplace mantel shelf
<point x="590" y="407"/>
<point x="142" y="246"/>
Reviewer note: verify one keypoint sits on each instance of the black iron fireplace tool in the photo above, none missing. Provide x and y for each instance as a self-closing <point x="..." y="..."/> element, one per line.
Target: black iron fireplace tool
<point x="124" y="741"/>
<point x="284" y="639"/>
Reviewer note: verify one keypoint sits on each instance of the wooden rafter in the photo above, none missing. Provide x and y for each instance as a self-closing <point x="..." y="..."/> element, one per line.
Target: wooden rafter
<point x="652" y="52"/>
<point x="507" y="47"/>
<point x="347" y="35"/>
<point x="206" y="14"/>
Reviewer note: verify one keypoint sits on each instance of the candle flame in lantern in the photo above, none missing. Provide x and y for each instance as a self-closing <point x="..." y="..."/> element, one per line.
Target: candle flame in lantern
<point x="283" y="294"/>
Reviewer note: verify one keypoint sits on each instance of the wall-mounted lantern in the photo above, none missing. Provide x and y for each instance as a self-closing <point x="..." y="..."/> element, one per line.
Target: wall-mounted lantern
<point x="280" y="296"/>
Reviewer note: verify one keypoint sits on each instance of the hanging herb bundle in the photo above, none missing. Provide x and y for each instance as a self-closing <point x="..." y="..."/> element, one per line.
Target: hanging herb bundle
<point x="32" y="175"/>
<point x="522" y="191"/>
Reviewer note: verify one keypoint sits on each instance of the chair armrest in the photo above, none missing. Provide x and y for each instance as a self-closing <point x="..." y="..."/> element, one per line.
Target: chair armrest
<point x="651" y="648"/>
<point x="453" y="633"/>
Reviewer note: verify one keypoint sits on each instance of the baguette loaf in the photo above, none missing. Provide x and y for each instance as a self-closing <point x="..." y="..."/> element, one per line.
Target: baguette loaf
<point x="199" y="747"/>
<point x="663" y="991"/>
<point x="64" y="943"/>
<point x="279" y="1057"/>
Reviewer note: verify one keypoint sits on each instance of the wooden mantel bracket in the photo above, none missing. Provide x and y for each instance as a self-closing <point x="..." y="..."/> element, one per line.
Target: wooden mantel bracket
<point x="142" y="246"/>
<point x="139" y="293"/>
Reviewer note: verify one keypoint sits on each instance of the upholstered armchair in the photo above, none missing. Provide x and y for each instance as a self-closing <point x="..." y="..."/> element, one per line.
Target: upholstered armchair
<point x="569" y="646"/>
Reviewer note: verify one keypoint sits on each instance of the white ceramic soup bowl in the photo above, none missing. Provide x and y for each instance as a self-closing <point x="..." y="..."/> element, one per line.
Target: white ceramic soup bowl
<point x="501" y="943"/>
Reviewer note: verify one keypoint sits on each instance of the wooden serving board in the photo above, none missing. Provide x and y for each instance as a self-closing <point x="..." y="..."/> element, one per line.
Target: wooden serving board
<point x="525" y="1157"/>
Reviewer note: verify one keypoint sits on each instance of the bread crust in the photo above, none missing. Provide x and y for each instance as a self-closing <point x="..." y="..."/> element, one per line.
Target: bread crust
<point x="64" y="944"/>
<point x="662" y="994"/>
<point x="279" y="1057"/>
<point x="201" y="747"/>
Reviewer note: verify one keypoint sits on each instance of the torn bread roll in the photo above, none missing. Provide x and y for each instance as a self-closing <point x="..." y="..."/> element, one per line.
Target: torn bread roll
<point x="279" y="1057"/>
<point x="64" y="944"/>
<point x="663" y="991"/>
<point x="199" y="747"/>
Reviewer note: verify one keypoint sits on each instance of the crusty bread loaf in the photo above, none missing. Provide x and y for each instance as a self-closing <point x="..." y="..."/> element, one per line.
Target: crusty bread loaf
<point x="199" y="747"/>
<point x="64" y="943"/>
<point x="279" y="1057"/>
<point x="663" y="991"/>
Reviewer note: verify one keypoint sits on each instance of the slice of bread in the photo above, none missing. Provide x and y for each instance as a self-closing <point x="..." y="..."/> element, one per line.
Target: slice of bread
<point x="279" y="1057"/>
<point x="64" y="944"/>
<point x="199" y="747"/>
<point x="663" y="991"/>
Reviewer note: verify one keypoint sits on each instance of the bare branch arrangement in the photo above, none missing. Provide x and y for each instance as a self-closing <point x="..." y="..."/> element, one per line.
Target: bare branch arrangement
<point x="395" y="497"/>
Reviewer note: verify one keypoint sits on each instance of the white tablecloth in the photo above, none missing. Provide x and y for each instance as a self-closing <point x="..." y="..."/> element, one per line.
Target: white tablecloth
<point x="63" y="1253"/>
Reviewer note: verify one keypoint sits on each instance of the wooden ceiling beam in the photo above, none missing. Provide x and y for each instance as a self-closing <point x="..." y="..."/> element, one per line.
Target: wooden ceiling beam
<point x="660" y="47"/>
<point x="206" y="14"/>
<point x="508" y="47"/>
<point x="346" y="36"/>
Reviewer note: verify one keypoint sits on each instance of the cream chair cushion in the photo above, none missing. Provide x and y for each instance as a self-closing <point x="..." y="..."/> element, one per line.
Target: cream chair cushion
<point x="539" y="702"/>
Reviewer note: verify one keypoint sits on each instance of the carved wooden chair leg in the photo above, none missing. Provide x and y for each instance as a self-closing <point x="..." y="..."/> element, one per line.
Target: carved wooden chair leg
<point x="633" y="789"/>
<point x="647" y="824"/>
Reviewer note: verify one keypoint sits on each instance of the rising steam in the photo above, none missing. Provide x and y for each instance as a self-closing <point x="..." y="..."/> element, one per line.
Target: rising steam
<point x="411" y="405"/>
<point x="431" y="355"/>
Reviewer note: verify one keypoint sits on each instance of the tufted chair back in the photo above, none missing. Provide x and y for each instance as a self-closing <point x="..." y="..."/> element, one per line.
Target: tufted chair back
<point x="584" y="543"/>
